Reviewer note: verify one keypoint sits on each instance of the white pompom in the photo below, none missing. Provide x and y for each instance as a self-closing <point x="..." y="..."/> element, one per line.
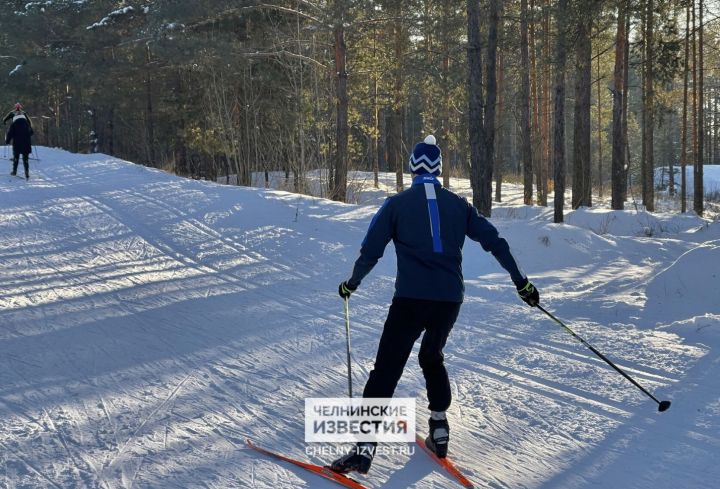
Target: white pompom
<point x="430" y="140"/>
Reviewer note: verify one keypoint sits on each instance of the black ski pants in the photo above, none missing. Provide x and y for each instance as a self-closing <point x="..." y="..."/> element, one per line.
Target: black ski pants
<point x="16" y="160"/>
<point x="406" y="321"/>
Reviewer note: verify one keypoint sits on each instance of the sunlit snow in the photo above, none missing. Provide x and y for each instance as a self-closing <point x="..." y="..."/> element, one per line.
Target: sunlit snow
<point x="150" y="323"/>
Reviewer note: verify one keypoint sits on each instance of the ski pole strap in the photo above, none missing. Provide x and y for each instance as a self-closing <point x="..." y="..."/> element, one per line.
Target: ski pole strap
<point x="528" y="288"/>
<point x="345" y="289"/>
<point x="434" y="212"/>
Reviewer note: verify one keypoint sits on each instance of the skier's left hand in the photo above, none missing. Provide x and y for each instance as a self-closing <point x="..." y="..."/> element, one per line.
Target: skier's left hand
<point x="345" y="289"/>
<point x="529" y="293"/>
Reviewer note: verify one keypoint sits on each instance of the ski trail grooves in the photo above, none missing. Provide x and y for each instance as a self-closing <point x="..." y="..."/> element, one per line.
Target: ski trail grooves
<point x="139" y="428"/>
<point x="162" y="321"/>
<point x="32" y="467"/>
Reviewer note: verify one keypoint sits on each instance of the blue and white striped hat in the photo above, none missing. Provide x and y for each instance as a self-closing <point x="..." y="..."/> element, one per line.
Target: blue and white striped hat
<point x="426" y="157"/>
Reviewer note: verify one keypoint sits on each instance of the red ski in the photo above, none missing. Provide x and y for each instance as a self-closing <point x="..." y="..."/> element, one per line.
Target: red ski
<point x="315" y="469"/>
<point x="446" y="464"/>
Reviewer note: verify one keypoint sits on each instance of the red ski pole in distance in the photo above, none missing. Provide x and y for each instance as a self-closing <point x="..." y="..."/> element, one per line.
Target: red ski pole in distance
<point x="662" y="405"/>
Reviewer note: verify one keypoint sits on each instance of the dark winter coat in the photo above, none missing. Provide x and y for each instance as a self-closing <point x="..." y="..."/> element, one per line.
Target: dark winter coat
<point x="14" y="113"/>
<point x="428" y="225"/>
<point x="19" y="133"/>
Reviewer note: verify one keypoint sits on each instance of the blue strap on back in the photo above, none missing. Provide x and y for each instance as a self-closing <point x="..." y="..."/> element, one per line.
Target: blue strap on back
<point x="434" y="212"/>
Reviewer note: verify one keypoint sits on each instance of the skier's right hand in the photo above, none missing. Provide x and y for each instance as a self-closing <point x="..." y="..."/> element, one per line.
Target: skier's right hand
<point x="345" y="289"/>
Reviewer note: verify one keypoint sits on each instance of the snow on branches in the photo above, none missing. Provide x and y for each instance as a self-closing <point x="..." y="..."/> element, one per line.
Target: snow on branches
<point x="126" y="11"/>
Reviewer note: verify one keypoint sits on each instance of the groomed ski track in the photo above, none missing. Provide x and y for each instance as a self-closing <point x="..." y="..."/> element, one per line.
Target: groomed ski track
<point x="149" y="324"/>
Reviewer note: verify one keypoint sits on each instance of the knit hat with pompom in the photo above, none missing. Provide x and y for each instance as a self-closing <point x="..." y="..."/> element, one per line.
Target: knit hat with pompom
<point x="426" y="157"/>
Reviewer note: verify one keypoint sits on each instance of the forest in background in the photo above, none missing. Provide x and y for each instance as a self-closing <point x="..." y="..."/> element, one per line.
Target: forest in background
<point x="587" y="97"/>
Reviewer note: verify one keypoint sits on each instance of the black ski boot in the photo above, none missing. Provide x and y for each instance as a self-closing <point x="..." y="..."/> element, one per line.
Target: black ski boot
<point x="358" y="460"/>
<point x="439" y="436"/>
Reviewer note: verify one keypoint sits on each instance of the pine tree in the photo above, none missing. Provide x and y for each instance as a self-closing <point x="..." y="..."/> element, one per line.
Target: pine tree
<point x="618" y="148"/>
<point x="559" y="121"/>
<point x="582" y="184"/>
<point x="524" y="101"/>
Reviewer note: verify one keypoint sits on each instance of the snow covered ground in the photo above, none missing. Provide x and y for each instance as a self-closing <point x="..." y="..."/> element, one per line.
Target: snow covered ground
<point x="149" y="324"/>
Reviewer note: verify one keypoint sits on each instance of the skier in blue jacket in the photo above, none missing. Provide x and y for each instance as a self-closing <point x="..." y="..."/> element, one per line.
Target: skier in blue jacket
<point x="428" y="225"/>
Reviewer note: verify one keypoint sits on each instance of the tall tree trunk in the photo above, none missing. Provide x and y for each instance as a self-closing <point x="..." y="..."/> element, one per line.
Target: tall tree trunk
<point x="375" y="149"/>
<point x="648" y="172"/>
<point x="149" y="116"/>
<point x="395" y="146"/>
<point x="599" y="129"/>
<point x="299" y="182"/>
<point x="486" y="169"/>
<point x="547" y="109"/>
<point x="180" y="140"/>
<point x="626" y="85"/>
<point x="559" y="122"/>
<point x="500" y="116"/>
<point x="476" y="125"/>
<point x="684" y="126"/>
<point x="243" y="168"/>
<point x="694" y="137"/>
<point x="376" y="135"/>
<point x="715" y="125"/>
<point x="671" y="164"/>
<point x="643" y="109"/>
<point x="382" y="149"/>
<point x="396" y="127"/>
<point x="618" y="149"/>
<point x="524" y="99"/>
<point x="339" y="189"/>
<point x="698" y="201"/>
<point x="447" y="96"/>
<point x="582" y="184"/>
<point x="534" y="103"/>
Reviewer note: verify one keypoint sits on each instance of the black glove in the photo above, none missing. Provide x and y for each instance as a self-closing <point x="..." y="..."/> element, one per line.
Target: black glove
<point x="345" y="289"/>
<point x="529" y="293"/>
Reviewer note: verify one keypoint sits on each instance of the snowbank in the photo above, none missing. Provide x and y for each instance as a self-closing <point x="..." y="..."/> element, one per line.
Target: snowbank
<point x="689" y="287"/>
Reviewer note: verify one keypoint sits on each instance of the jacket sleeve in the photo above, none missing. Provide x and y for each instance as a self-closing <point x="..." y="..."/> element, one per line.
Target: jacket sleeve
<point x="9" y="135"/>
<point x="481" y="230"/>
<point x="373" y="246"/>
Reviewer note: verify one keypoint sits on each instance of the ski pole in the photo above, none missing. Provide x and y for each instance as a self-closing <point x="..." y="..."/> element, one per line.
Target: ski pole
<point x="347" y="336"/>
<point x="662" y="405"/>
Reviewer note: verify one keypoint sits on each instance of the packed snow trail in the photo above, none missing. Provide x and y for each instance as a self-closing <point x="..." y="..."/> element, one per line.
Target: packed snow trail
<point x="149" y="324"/>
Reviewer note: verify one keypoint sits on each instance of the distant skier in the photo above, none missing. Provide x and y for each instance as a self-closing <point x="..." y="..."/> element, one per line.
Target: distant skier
<point x="93" y="142"/>
<point x="428" y="225"/>
<point x="17" y="110"/>
<point x="19" y="134"/>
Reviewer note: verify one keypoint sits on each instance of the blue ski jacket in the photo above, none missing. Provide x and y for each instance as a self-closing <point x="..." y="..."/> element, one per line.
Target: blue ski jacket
<point x="428" y="225"/>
